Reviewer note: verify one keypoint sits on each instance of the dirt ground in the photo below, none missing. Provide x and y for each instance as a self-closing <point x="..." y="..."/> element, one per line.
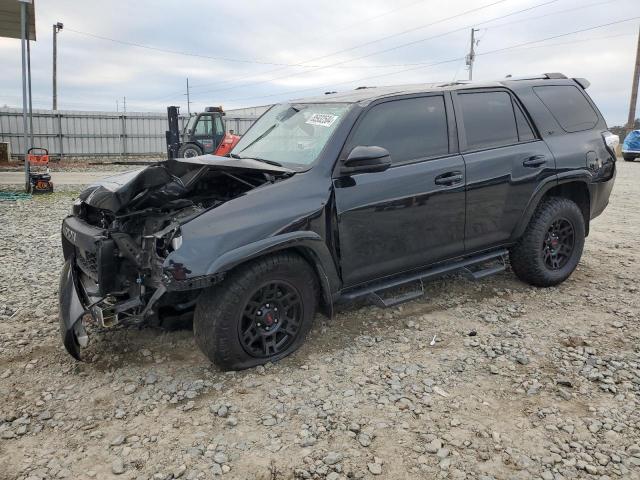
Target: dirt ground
<point x="521" y="383"/>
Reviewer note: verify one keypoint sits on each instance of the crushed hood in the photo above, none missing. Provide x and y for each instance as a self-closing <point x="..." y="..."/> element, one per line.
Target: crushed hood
<point x="174" y="177"/>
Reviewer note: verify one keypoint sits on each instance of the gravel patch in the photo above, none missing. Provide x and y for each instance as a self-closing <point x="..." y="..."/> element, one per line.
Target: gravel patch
<point x="521" y="383"/>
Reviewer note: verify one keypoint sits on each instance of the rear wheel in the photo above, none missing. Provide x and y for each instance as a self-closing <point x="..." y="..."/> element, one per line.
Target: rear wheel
<point x="628" y="157"/>
<point x="260" y="313"/>
<point x="550" y="248"/>
<point x="189" y="150"/>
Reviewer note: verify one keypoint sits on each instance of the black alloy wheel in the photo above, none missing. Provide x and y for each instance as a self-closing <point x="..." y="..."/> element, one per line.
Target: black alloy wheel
<point x="558" y="244"/>
<point x="271" y="319"/>
<point x="551" y="246"/>
<point x="261" y="312"/>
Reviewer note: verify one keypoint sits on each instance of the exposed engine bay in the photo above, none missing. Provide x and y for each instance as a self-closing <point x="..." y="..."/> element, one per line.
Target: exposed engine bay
<point x="122" y="229"/>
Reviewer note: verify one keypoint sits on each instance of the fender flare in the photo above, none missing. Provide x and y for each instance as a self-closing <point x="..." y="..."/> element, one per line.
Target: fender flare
<point x="544" y="187"/>
<point x="308" y="243"/>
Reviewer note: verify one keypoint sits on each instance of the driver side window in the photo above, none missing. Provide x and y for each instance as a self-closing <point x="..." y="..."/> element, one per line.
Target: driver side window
<point x="410" y="129"/>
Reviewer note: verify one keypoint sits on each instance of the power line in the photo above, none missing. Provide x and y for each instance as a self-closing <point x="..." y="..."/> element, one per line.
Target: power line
<point x="44" y="101"/>
<point x="319" y="67"/>
<point x="341" y="63"/>
<point x="423" y="65"/>
<point x="177" y="52"/>
<point x="466" y="27"/>
<point x="415" y="66"/>
<point x="371" y="42"/>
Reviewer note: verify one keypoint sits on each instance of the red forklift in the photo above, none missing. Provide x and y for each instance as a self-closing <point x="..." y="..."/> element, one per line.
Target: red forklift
<point x="204" y="133"/>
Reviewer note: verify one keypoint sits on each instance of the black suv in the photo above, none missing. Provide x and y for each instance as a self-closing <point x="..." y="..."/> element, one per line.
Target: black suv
<point x="336" y="198"/>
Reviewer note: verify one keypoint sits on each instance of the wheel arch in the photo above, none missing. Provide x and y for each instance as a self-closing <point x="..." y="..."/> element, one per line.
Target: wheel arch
<point x="577" y="192"/>
<point x="574" y="188"/>
<point x="308" y="245"/>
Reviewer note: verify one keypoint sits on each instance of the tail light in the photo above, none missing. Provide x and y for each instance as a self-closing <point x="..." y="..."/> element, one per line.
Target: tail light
<point x="611" y="141"/>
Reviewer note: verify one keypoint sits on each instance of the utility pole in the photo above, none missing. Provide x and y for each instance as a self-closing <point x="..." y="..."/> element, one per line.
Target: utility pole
<point x="56" y="28"/>
<point x="188" y="100"/>
<point x="117" y="109"/>
<point x="124" y="104"/>
<point x="471" y="56"/>
<point x="25" y="132"/>
<point x="634" y="89"/>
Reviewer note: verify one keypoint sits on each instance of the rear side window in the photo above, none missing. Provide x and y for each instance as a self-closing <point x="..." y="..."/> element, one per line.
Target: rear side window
<point x="489" y="119"/>
<point x="409" y="129"/>
<point x="568" y="106"/>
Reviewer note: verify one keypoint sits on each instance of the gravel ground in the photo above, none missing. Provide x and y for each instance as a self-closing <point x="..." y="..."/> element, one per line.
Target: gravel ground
<point x="80" y="166"/>
<point x="521" y="382"/>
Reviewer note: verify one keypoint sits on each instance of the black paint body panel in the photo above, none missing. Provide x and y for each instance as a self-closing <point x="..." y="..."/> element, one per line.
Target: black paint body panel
<point x="358" y="229"/>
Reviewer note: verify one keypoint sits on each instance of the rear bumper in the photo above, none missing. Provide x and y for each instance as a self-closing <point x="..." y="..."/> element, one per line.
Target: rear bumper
<point x="600" y="191"/>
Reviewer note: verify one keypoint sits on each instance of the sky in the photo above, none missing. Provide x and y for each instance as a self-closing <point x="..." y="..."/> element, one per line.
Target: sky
<point x="250" y="53"/>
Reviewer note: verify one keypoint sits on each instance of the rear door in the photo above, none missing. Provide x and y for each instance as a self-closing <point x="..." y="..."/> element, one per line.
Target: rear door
<point x="412" y="214"/>
<point x="505" y="161"/>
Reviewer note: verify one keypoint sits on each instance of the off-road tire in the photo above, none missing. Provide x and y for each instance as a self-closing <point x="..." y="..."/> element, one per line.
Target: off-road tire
<point x="188" y="147"/>
<point x="629" y="158"/>
<point x="218" y="313"/>
<point x="527" y="256"/>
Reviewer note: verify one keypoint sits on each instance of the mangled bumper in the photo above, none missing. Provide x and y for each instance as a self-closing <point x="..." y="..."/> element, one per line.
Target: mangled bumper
<point x="71" y="311"/>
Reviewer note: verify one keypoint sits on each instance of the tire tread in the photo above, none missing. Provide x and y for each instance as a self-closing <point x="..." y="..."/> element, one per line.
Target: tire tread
<point x="216" y="335"/>
<point x="523" y="255"/>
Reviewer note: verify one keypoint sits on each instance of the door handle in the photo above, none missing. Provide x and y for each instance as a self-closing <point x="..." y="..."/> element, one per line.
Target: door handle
<point x="535" y="161"/>
<point x="449" y="178"/>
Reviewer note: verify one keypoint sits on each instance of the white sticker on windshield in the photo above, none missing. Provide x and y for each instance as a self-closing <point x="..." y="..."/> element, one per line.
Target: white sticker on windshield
<point x="322" y="119"/>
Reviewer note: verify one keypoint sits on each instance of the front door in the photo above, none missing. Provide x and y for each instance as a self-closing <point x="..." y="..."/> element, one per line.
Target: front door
<point x="505" y="162"/>
<point x="412" y="214"/>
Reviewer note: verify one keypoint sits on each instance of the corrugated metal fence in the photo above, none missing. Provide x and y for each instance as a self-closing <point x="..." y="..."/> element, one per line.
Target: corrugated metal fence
<point x="97" y="134"/>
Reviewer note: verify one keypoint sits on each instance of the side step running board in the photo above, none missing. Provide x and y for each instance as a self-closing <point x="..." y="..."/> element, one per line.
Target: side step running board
<point x="484" y="272"/>
<point x="378" y="300"/>
<point x="472" y="267"/>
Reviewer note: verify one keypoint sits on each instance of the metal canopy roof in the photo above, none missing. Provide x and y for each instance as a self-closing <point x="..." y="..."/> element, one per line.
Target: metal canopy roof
<point x="10" y="19"/>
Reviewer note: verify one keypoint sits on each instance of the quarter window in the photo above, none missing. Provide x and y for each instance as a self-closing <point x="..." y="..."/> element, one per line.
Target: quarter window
<point x="409" y="129"/>
<point x="489" y="119"/>
<point x="568" y="106"/>
<point x="524" y="130"/>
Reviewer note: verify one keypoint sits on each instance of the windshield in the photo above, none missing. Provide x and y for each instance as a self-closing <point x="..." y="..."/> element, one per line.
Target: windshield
<point x="190" y="124"/>
<point x="291" y="134"/>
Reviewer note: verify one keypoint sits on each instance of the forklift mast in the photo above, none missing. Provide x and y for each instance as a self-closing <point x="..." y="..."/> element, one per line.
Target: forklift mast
<point x="173" y="134"/>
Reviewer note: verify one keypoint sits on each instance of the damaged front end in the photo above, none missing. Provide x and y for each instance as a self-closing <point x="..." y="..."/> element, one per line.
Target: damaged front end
<point x="121" y="231"/>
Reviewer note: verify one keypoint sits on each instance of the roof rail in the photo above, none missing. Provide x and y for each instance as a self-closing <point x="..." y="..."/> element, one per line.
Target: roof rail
<point x="456" y="82"/>
<point x="544" y="76"/>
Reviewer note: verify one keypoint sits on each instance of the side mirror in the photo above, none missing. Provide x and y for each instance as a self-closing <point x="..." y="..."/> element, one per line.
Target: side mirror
<point x="366" y="159"/>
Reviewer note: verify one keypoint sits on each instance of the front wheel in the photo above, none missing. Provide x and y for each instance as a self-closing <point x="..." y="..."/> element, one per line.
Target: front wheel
<point x="260" y="313"/>
<point x="550" y="248"/>
<point x="189" y="150"/>
<point x="629" y="157"/>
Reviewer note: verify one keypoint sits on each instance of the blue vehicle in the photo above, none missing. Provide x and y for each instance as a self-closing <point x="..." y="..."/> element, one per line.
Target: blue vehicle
<point x="631" y="146"/>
